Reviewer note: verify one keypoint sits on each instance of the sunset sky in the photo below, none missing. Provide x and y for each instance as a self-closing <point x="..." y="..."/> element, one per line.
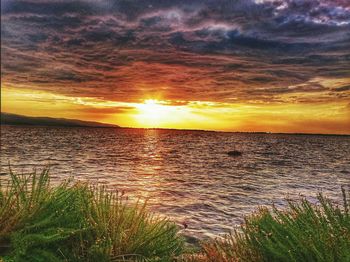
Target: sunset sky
<point x="263" y="65"/>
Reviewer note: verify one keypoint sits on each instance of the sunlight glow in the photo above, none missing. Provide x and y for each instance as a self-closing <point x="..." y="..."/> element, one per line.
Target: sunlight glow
<point x="155" y="113"/>
<point x="321" y="117"/>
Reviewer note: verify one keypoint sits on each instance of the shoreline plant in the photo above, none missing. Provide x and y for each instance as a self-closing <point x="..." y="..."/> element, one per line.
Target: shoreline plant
<point x="74" y="221"/>
<point x="304" y="231"/>
<point x="77" y="222"/>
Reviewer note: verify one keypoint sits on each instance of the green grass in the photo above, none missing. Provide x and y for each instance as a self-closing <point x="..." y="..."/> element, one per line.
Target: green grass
<point x="76" y="222"/>
<point x="79" y="222"/>
<point x="303" y="232"/>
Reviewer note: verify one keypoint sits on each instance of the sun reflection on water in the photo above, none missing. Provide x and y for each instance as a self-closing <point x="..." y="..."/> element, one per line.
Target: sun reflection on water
<point x="151" y="164"/>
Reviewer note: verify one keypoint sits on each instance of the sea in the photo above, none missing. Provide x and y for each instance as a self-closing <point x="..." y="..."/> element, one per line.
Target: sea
<point x="186" y="176"/>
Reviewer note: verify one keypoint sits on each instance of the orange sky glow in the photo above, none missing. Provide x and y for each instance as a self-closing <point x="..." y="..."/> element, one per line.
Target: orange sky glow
<point x="329" y="117"/>
<point x="257" y="65"/>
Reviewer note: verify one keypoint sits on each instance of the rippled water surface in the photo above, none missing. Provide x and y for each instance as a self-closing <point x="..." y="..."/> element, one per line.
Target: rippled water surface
<point x="187" y="175"/>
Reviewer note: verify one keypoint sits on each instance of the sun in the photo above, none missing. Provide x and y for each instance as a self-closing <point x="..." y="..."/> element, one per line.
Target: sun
<point x="154" y="113"/>
<point x="151" y="107"/>
<point x="151" y="103"/>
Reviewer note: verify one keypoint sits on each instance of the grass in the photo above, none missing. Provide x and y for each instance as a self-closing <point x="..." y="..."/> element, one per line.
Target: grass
<point x="79" y="222"/>
<point x="303" y="232"/>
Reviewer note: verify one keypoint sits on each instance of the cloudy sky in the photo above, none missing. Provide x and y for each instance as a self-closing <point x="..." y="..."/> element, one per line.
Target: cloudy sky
<point x="263" y="65"/>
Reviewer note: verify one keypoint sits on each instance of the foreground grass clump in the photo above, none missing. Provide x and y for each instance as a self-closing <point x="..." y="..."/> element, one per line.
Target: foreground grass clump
<point x="75" y="222"/>
<point x="303" y="232"/>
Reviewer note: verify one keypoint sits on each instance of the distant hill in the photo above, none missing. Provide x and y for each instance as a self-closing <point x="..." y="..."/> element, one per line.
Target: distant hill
<point x="13" y="119"/>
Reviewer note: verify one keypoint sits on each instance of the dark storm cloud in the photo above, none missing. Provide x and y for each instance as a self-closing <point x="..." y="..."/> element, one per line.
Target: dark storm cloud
<point x="186" y="50"/>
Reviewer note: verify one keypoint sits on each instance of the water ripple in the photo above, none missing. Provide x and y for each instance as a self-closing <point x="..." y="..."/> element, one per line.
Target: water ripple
<point x="186" y="175"/>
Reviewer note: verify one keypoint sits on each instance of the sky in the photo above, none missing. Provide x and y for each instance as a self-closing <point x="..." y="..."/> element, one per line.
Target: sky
<point x="245" y="65"/>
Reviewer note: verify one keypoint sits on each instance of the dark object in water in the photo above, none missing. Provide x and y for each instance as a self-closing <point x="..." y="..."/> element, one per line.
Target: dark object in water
<point x="192" y="241"/>
<point x="234" y="153"/>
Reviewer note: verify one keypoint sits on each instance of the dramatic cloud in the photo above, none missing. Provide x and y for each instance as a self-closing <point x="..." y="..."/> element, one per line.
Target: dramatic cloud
<point x="208" y="50"/>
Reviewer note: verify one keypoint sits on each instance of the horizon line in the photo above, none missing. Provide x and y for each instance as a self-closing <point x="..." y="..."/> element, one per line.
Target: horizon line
<point x="109" y="125"/>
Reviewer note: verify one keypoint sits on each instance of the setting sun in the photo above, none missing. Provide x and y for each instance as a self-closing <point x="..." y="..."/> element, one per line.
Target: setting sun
<point x="154" y="113"/>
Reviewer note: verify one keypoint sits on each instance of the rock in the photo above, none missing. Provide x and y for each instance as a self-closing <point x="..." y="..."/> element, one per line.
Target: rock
<point x="191" y="241"/>
<point x="234" y="153"/>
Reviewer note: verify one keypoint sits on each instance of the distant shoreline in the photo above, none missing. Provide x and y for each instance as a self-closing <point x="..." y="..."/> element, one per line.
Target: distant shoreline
<point x="21" y="120"/>
<point x="59" y="126"/>
<point x="17" y="120"/>
<point x="175" y="129"/>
